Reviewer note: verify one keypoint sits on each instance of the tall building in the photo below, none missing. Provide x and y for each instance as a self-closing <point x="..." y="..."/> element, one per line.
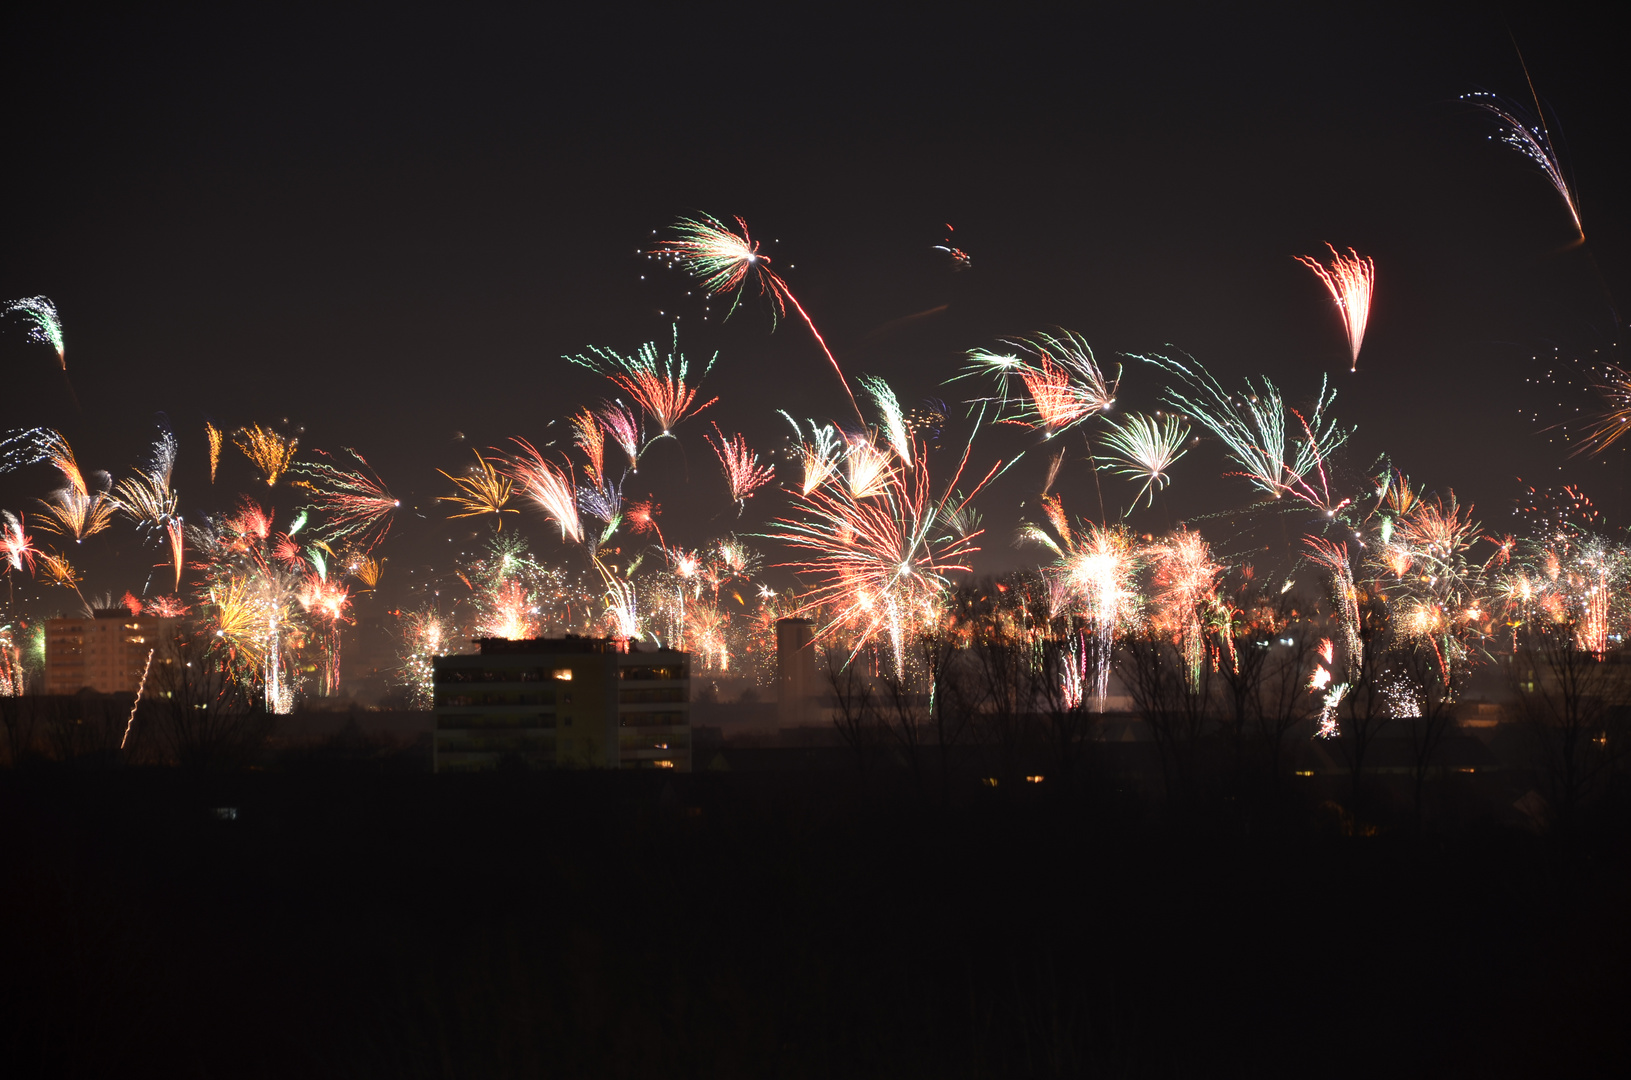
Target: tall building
<point x="796" y="686"/>
<point x="108" y="653"/>
<point x="571" y="703"/>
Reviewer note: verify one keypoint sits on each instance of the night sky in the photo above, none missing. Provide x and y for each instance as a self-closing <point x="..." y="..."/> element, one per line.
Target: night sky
<point x="387" y="228"/>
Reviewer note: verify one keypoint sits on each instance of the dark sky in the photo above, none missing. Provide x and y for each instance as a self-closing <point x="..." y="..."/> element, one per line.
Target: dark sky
<point x="387" y="227"/>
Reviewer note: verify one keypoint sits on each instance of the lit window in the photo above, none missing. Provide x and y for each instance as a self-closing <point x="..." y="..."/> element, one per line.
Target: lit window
<point x="564" y="674"/>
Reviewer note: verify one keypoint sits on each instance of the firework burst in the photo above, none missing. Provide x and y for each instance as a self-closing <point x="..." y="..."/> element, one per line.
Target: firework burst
<point x="743" y="472"/>
<point x="1063" y="382"/>
<point x="44" y="326"/>
<point x="484" y="490"/>
<point x="1147" y="448"/>
<point x="656" y="381"/>
<point x="1350" y="280"/>
<point x="354" y="504"/>
<point x="721" y="262"/>
<point x="550" y="487"/>
<point x="270" y="452"/>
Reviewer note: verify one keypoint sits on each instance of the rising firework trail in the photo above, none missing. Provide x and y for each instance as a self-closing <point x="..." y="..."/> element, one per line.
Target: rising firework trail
<point x="1350" y="280"/>
<point x="722" y="262"/>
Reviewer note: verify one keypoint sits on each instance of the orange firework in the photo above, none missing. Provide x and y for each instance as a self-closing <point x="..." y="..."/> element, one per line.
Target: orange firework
<point x="484" y="491"/>
<point x="270" y="452"/>
<point x="1350" y="280"/>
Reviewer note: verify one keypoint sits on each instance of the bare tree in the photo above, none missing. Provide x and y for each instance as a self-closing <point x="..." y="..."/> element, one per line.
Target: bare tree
<point x="1572" y="706"/>
<point x="1174" y="701"/>
<point x="1436" y="685"/>
<point x="204" y="717"/>
<point x="854" y="718"/>
<point x="1366" y="710"/>
<point x="1060" y="694"/>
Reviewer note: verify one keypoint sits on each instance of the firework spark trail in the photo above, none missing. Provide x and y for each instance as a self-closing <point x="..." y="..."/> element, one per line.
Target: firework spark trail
<point x="819" y="455"/>
<point x="17" y="544"/>
<point x="215" y="436"/>
<point x="484" y="491"/>
<point x="742" y="470"/>
<point x="74" y="509"/>
<point x="656" y="382"/>
<point x="1351" y="280"/>
<point x="174" y="532"/>
<point x="879" y="564"/>
<point x="1528" y="136"/>
<point x="44" y="325"/>
<point x="642" y="518"/>
<point x="1333" y="557"/>
<point x="134" y="705"/>
<point x="425" y="635"/>
<point x="550" y="487"/>
<point x="590" y="437"/>
<point x="1064" y="384"/>
<point x="867" y="468"/>
<point x="1186" y="586"/>
<point x="270" y="452"/>
<point x="354" y="503"/>
<point x="624" y="429"/>
<point x="894" y="418"/>
<point x="1274" y="457"/>
<point x="722" y="261"/>
<point x="1147" y="447"/>
<point x="1094" y="569"/>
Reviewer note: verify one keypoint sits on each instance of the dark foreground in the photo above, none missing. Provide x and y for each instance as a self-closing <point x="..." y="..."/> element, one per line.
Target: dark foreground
<point x="361" y="925"/>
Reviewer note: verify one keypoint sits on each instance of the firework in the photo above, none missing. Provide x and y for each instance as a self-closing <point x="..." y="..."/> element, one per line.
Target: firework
<point x="1186" y="587"/>
<point x="354" y="503"/>
<point x="17" y="545"/>
<point x="1093" y="574"/>
<point x="867" y="470"/>
<point x="590" y="437"/>
<point x="1528" y="136"/>
<point x="624" y="429"/>
<point x="1345" y="596"/>
<point x="484" y="491"/>
<point x="549" y="486"/>
<point x="215" y="436"/>
<point x="1064" y="385"/>
<point x="894" y="419"/>
<point x="270" y="452"/>
<point x="1147" y="448"/>
<point x="44" y="326"/>
<point x="1350" y="280"/>
<point x="1275" y="457"/>
<point x="642" y="518"/>
<point x="722" y="261"/>
<point x="743" y="472"/>
<point x="656" y="381"/>
<point x="879" y="565"/>
<point x="75" y="509"/>
<point x="819" y="455"/>
<point x="424" y="636"/>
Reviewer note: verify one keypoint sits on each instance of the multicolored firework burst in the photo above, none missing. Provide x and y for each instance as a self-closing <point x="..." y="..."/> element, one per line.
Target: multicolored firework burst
<point x="1064" y="385"/>
<point x="722" y="262"/>
<point x="354" y="504"/>
<point x="656" y="381"/>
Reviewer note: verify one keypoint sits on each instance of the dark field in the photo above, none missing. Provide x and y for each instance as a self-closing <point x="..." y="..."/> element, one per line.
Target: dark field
<point x="364" y="924"/>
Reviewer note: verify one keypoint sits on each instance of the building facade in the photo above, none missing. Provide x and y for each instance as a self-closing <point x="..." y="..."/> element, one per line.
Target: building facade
<point x="110" y="653"/>
<point x="570" y="703"/>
